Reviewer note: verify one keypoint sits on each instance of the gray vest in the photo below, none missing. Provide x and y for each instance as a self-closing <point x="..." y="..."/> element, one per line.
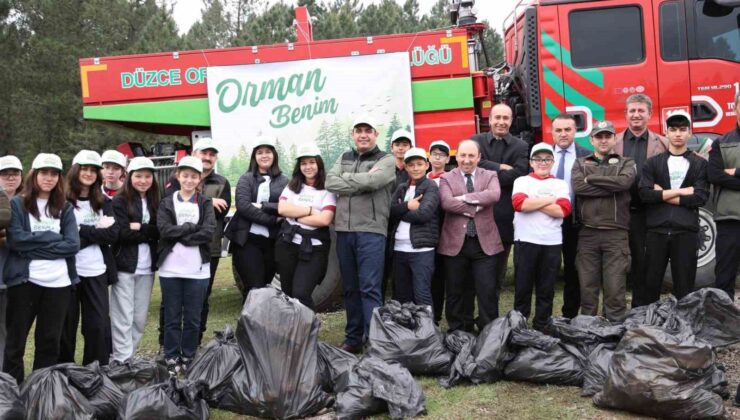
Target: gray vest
<point x="726" y="201"/>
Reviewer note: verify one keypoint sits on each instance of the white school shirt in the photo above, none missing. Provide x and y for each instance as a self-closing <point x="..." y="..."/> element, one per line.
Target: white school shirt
<point x="47" y="273"/>
<point x="678" y="166"/>
<point x="537" y="227"/>
<point x="184" y="261"/>
<point x="403" y="231"/>
<point x="263" y="194"/>
<point x="89" y="260"/>
<point x="318" y="200"/>
<point x="144" y="262"/>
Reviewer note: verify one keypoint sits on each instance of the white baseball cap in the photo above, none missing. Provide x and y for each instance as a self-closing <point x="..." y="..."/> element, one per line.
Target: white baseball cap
<point x="264" y="141"/>
<point x="10" y="162"/>
<point x="440" y="144"/>
<point x="114" y="156"/>
<point x="415" y="152"/>
<point x="88" y="158"/>
<point x="308" y="150"/>
<point x="402" y="134"/>
<point x="205" y="143"/>
<point x="541" y="148"/>
<point x="47" y="161"/>
<point x="140" y="162"/>
<point x="192" y="163"/>
<point x="678" y="114"/>
<point x="365" y="119"/>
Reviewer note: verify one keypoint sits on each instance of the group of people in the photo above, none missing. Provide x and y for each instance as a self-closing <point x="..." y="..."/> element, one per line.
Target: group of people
<point x="83" y="248"/>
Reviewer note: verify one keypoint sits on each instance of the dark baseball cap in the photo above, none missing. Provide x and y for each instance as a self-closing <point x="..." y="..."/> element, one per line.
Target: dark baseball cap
<point x="603" y="127"/>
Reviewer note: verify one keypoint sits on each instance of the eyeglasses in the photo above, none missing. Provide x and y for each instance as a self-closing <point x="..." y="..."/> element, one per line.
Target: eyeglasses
<point x="10" y="174"/>
<point x="438" y="155"/>
<point x="547" y="160"/>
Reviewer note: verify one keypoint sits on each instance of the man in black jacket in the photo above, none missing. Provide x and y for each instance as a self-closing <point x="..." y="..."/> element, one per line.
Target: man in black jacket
<point x="673" y="186"/>
<point x="507" y="155"/>
<point x="723" y="172"/>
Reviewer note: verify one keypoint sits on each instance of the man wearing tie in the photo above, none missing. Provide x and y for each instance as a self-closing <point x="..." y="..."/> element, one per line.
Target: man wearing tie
<point x="566" y="153"/>
<point x="470" y="239"/>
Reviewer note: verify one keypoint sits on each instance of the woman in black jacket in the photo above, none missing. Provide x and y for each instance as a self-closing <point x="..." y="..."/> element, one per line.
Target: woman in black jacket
<point x="254" y="227"/>
<point x="135" y="212"/>
<point x="94" y="262"/>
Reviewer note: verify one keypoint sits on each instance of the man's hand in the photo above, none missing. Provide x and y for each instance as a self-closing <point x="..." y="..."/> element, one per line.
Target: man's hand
<point x="686" y="191"/>
<point x="219" y="204"/>
<point x="505" y="167"/>
<point x="134" y="226"/>
<point x="414" y="203"/>
<point x="460" y="198"/>
<point x="730" y="171"/>
<point x="657" y="187"/>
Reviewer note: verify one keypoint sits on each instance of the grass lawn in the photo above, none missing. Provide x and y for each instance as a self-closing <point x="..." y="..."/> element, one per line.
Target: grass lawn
<point x="510" y="400"/>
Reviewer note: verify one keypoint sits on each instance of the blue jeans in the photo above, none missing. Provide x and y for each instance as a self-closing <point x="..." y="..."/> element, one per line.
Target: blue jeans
<point x="183" y="304"/>
<point x="412" y="277"/>
<point x="361" y="259"/>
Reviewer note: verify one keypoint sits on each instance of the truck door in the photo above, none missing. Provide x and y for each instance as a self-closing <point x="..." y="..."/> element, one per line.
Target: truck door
<point x="674" y="93"/>
<point x="609" y="54"/>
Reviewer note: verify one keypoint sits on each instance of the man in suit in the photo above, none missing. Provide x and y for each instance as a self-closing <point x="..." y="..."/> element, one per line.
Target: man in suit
<point x="507" y="155"/>
<point x="640" y="144"/>
<point x="470" y="239"/>
<point x="566" y="153"/>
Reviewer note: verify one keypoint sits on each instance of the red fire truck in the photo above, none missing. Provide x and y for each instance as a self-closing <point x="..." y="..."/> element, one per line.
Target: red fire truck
<point x="580" y="56"/>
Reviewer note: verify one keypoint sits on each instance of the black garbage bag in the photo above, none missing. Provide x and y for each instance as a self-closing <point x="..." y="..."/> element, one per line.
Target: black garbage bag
<point x="278" y="336"/>
<point x="103" y="395"/>
<point x="173" y="400"/>
<point x="215" y="363"/>
<point x="235" y="397"/>
<point x="335" y="366"/>
<point x="711" y="315"/>
<point x="11" y="407"/>
<point x="544" y="360"/>
<point x="405" y="333"/>
<point x="656" y="373"/>
<point x="376" y="386"/>
<point x="48" y="394"/>
<point x="585" y="331"/>
<point x="492" y="350"/>
<point x="136" y="373"/>
<point x="596" y="368"/>
<point x="460" y="344"/>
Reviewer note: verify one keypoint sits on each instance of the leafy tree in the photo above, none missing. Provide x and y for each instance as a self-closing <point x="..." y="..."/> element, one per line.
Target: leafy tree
<point x="213" y="30"/>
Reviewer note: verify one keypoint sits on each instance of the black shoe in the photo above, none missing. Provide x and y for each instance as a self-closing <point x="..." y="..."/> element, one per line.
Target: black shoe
<point x="349" y="348"/>
<point x="172" y="366"/>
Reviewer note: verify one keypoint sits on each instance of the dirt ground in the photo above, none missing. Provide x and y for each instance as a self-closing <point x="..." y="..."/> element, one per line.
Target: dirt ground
<point x="730" y="358"/>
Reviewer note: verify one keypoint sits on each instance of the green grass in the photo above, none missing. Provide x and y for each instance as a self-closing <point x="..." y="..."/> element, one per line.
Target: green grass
<point x="511" y="400"/>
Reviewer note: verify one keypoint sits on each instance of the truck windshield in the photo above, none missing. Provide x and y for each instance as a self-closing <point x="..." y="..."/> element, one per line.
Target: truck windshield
<point x="717" y="37"/>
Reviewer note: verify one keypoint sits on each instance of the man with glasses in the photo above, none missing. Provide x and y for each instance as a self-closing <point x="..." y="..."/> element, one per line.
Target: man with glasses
<point x="602" y="183"/>
<point x="540" y="201"/>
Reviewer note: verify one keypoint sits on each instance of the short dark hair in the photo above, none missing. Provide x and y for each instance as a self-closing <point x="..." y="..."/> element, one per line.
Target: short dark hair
<point x="564" y="116"/>
<point x="678" y="123"/>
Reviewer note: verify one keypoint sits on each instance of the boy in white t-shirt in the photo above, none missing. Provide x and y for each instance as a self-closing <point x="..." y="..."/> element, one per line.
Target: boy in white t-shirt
<point x="540" y="202"/>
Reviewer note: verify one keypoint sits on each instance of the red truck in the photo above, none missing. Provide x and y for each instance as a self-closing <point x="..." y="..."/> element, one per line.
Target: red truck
<point x="580" y="56"/>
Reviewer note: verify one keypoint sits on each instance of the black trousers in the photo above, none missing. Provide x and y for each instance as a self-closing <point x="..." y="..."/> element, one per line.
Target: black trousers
<point x="572" y="289"/>
<point x="29" y="302"/>
<point x="637" y="235"/>
<point x="299" y="277"/>
<point x="502" y="264"/>
<point x="680" y="248"/>
<point x="255" y="263"/>
<point x="535" y="267"/>
<point x="471" y="269"/>
<point x="438" y="287"/>
<point x="90" y="296"/>
<point x="728" y="255"/>
<point x="203" y="313"/>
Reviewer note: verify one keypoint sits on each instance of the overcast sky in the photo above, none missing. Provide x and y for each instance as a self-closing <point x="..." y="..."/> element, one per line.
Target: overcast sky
<point x="188" y="11"/>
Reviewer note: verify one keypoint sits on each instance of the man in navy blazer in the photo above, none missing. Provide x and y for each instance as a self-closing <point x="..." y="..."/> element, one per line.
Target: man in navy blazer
<point x="470" y="239"/>
<point x="566" y="153"/>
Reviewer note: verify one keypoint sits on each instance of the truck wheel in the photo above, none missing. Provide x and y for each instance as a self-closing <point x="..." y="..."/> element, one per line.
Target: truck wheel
<point x="705" y="263"/>
<point x="327" y="296"/>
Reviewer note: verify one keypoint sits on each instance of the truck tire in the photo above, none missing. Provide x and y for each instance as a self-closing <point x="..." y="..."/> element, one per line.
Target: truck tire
<point x="327" y="296"/>
<point x="705" y="263"/>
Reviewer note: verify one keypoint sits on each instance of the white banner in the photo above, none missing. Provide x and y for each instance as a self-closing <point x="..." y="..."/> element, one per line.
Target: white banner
<point x="309" y="100"/>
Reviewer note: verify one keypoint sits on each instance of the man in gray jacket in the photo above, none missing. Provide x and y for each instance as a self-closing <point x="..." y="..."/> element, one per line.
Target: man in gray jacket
<point x="362" y="179"/>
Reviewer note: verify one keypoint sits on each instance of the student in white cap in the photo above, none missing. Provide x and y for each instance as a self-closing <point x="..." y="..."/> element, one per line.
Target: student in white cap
<point x="114" y="172"/>
<point x="135" y="211"/>
<point x="414" y="231"/>
<point x="673" y="186"/>
<point x="541" y="202"/>
<point x="439" y="157"/>
<point x="11" y="182"/>
<point x="254" y="227"/>
<point x="186" y="223"/>
<point x="40" y="271"/>
<point x="302" y="246"/>
<point x="95" y="264"/>
<point x="401" y="141"/>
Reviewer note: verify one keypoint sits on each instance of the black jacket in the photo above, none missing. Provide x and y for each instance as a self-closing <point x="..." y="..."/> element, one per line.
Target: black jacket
<point x="126" y="250"/>
<point x="424" y="229"/>
<point x="663" y="217"/>
<point x="246" y="213"/>
<point x="105" y="238"/>
<point x="188" y="234"/>
<point x="515" y="155"/>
